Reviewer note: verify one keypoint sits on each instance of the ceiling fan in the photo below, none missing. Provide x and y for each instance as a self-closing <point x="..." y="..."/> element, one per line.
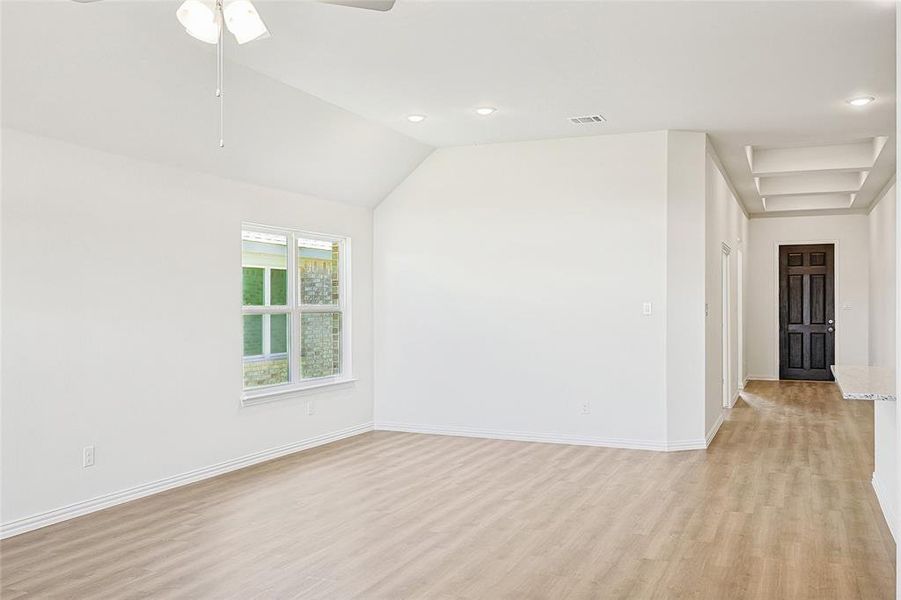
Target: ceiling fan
<point x="207" y="20"/>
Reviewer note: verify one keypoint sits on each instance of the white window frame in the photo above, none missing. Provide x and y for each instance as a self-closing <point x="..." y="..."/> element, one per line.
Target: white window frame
<point x="296" y="385"/>
<point x="267" y="327"/>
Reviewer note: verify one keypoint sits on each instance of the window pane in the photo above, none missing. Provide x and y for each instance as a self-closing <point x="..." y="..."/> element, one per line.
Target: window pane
<point x="320" y="344"/>
<point x="259" y="251"/>
<point x="278" y="289"/>
<point x="266" y="342"/>
<point x="317" y="267"/>
<point x="253" y="286"/>
<point x="278" y="338"/>
<point x="253" y="335"/>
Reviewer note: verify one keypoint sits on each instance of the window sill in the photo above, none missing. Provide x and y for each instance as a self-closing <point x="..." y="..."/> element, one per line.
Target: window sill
<point x="274" y="394"/>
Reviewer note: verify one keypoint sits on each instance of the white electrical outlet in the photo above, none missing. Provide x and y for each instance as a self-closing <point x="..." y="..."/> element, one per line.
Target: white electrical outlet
<point x="646" y="309"/>
<point x="311" y="408"/>
<point x="88" y="456"/>
<point x="586" y="408"/>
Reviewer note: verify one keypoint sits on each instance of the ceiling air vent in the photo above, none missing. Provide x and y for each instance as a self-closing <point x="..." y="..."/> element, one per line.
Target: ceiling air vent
<point x="587" y="120"/>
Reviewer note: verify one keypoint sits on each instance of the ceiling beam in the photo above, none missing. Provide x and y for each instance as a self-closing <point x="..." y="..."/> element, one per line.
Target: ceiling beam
<point x="819" y="182"/>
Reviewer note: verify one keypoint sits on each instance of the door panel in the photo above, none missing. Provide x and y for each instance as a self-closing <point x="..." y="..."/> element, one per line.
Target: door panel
<point x="795" y="351"/>
<point x="795" y="299"/>
<point x="818" y="299"/>
<point x="806" y="311"/>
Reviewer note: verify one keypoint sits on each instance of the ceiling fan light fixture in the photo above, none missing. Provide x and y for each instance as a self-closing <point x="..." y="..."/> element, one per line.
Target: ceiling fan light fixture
<point x="243" y="20"/>
<point x="199" y="20"/>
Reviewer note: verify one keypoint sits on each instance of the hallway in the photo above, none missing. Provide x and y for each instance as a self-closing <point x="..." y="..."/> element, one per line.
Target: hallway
<point x="797" y="463"/>
<point x="780" y="506"/>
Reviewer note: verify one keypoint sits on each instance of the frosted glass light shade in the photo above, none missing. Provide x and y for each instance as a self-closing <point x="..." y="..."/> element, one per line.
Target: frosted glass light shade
<point x="199" y="20"/>
<point x="243" y="20"/>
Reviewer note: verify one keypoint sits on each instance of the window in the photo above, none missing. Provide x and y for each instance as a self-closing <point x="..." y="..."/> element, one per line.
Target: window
<point x="294" y="293"/>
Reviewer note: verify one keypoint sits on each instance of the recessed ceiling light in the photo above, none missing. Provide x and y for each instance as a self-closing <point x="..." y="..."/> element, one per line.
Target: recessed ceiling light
<point x="416" y="118"/>
<point x="861" y="101"/>
<point x="486" y="110"/>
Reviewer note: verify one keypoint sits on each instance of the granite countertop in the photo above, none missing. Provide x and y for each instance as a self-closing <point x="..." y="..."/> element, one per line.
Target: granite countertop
<point x="865" y="383"/>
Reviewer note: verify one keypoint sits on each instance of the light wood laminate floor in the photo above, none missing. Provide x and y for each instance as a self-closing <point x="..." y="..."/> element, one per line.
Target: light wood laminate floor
<point x="780" y="506"/>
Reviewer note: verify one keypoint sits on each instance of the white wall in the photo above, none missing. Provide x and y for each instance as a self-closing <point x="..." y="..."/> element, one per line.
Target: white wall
<point x="123" y="278"/>
<point x="897" y="279"/>
<point x="685" y="272"/>
<point x="726" y="224"/>
<point x="510" y="282"/>
<point x="850" y="233"/>
<point x="883" y="250"/>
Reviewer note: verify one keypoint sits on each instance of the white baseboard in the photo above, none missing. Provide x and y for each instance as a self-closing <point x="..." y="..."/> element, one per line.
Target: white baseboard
<point x="154" y="487"/>
<point x="678" y="445"/>
<point x="547" y="438"/>
<point x="887" y="511"/>
<point x="760" y="378"/>
<point x="714" y="429"/>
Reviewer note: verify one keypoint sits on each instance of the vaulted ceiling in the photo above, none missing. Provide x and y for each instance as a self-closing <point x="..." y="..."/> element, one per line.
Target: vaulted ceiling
<point x="321" y="106"/>
<point x="124" y="77"/>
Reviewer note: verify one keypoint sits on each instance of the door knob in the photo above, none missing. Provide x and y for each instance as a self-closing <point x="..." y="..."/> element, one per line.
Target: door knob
<point x="830" y="329"/>
<point x="830" y="321"/>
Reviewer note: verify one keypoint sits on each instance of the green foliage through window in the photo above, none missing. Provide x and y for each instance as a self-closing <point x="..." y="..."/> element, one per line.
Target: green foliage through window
<point x="253" y="335"/>
<point x="278" y="289"/>
<point x="278" y="340"/>
<point x="253" y="286"/>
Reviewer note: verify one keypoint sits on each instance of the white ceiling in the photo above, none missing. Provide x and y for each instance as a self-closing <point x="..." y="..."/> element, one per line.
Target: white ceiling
<point x="761" y="74"/>
<point x="124" y="77"/>
<point x="749" y="73"/>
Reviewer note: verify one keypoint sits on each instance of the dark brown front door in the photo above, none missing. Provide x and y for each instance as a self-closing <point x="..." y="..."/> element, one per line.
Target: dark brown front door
<point x="806" y="311"/>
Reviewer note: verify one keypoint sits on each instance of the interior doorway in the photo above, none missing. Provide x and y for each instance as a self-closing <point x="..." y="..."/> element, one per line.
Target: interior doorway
<point x="725" y="325"/>
<point x="739" y="316"/>
<point x="806" y="311"/>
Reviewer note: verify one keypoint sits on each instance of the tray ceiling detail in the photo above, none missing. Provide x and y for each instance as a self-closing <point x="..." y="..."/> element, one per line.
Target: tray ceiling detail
<point x="820" y="177"/>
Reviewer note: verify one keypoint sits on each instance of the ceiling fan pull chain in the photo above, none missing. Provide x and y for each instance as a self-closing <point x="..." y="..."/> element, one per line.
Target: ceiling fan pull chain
<point x="220" y="72"/>
<point x="205" y="21"/>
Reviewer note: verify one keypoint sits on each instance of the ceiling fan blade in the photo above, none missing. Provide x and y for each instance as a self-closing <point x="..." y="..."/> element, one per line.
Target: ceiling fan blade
<point x="381" y="5"/>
